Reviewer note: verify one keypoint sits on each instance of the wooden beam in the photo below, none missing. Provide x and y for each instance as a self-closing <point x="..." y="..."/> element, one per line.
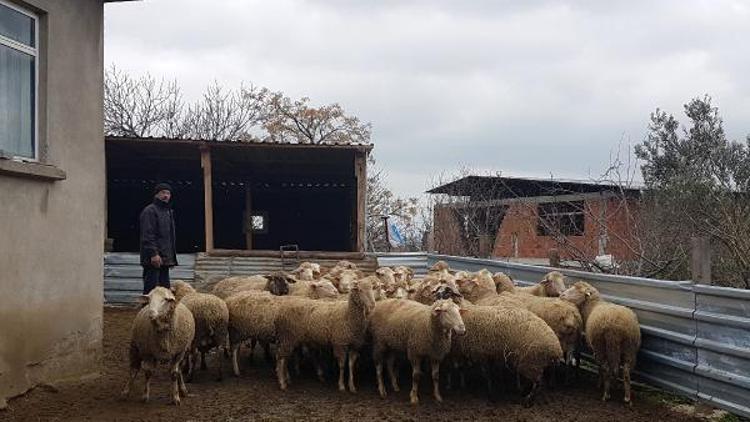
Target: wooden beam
<point x="277" y="254"/>
<point x="360" y="173"/>
<point x="248" y="218"/>
<point x="208" y="202"/>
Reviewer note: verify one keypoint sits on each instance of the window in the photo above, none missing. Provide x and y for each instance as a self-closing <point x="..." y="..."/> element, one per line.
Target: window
<point x="561" y="218"/>
<point x="18" y="79"/>
<point x="259" y="223"/>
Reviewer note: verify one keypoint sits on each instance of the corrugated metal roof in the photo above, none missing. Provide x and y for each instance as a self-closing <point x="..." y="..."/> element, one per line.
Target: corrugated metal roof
<point x="352" y="145"/>
<point x="507" y="187"/>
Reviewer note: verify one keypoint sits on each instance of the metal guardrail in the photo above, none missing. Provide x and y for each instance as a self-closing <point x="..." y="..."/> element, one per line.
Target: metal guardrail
<point x="695" y="338"/>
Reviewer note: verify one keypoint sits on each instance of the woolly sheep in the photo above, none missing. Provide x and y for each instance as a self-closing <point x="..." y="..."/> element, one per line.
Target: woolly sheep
<point x="252" y="315"/>
<point x="612" y="333"/>
<point x="163" y="330"/>
<point x="440" y="266"/>
<point x="438" y="285"/>
<point x="211" y="319"/>
<point x="565" y="320"/>
<point x="343" y="279"/>
<point x="340" y="325"/>
<point x="551" y="285"/>
<point x="276" y="283"/>
<point x="419" y="330"/>
<point x="511" y="335"/>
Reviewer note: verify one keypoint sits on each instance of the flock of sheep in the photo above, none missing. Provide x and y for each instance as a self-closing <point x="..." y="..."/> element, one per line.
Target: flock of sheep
<point x="464" y="320"/>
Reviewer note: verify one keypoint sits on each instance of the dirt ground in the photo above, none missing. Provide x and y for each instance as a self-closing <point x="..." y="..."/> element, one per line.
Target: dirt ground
<point x="255" y="396"/>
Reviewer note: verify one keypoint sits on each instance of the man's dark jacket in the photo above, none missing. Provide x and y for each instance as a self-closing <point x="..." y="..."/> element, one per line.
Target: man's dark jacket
<point x="158" y="234"/>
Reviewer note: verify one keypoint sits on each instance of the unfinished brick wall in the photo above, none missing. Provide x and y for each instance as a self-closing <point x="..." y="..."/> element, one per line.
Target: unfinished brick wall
<point x="517" y="236"/>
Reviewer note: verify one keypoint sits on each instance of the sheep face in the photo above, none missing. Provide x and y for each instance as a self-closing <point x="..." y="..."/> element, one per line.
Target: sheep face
<point x="345" y="279"/>
<point x="324" y="289"/>
<point x="161" y="303"/>
<point x="554" y="284"/>
<point x="448" y="315"/>
<point x="403" y="274"/>
<point x="312" y="266"/>
<point x="278" y="284"/>
<point x="447" y="291"/>
<point x="304" y="273"/>
<point x="180" y="289"/>
<point x="362" y="292"/>
<point x="579" y="293"/>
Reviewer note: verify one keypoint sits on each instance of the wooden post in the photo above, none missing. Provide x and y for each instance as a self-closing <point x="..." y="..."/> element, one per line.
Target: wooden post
<point x="701" y="260"/>
<point x="208" y="202"/>
<point x="248" y="219"/>
<point x="360" y="173"/>
<point x="554" y="257"/>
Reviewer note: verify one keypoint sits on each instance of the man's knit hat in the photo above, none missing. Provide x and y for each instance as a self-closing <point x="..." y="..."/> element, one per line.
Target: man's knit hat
<point x="162" y="186"/>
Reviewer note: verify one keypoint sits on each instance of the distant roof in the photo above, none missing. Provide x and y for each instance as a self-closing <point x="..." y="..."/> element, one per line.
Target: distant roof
<point x="240" y="143"/>
<point x="499" y="187"/>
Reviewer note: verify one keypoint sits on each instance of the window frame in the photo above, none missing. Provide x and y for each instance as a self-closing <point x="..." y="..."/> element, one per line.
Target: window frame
<point x="555" y="218"/>
<point x="34" y="52"/>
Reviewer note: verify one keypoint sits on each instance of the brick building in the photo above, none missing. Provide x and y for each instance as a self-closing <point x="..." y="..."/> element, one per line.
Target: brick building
<point x="524" y="218"/>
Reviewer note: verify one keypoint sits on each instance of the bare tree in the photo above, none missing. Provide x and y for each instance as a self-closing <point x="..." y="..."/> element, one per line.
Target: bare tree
<point x="224" y="114"/>
<point x="296" y="121"/>
<point x="139" y="107"/>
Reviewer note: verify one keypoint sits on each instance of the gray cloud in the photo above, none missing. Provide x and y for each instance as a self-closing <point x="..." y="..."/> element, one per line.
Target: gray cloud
<point x="527" y="88"/>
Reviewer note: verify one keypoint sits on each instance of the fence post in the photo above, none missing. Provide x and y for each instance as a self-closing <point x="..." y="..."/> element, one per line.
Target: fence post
<point x="554" y="257"/>
<point x="701" y="260"/>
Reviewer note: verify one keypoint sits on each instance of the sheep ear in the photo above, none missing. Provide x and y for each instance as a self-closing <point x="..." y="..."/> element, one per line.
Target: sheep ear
<point x="437" y="311"/>
<point x="170" y="298"/>
<point x="588" y="294"/>
<point x="143" y="299"/>
<point x="314" y="286"/>
<point x="463" y="311"/>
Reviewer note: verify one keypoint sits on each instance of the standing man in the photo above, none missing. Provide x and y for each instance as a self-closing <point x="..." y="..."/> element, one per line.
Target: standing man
<point x="158" y="247"/>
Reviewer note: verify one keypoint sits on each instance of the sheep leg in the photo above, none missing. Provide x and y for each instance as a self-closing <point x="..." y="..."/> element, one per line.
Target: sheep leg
<point x="148" y="371"/>
<point x="189" y="363"/>
<point x="133" y="374"/>
<point x="607" y="381"/>
<point x="391" y="362"/>
<point x="267" y="352"/>
<point x="416" y="374"/>
<point x="183" y="387"/>
<point x="353" y="355"/>
<point x="486" y="368"/>
<point x="626" y="383"/>
<point x="529" y="399"/>
<point x="377" y="357"/>
<point x="435" y="366"/>
<point x="235" y="365"/>
<point x="281" y="372"/>
<point x="253" y="342"/>
<point x="340" y="353"/>
<point x="219" y="370"/>
<point x="174" y="374"/>
<point x="203" y="360"/>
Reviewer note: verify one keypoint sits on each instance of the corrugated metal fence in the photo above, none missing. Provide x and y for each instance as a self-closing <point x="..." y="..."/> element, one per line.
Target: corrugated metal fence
<point x="696" y="338"/>
<point x="123" y="276"/>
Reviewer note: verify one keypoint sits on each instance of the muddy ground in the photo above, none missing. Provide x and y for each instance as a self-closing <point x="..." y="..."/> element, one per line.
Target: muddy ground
<point x="255" y="396"/>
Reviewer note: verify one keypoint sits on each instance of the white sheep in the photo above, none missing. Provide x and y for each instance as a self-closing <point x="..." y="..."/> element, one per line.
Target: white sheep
<point x="551" y="285"/>
<point x="612" y="332"/>
<point x="336" y="324"/>
<point x="276" y="283"/>
<point x="211" y="320"/>
<point x="163" y="331"/>
<point x="421" y="331"/>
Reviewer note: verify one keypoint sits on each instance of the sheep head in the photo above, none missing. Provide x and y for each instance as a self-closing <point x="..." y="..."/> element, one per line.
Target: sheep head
<point x="278" y="284"/>
<point x="161" y="304"/>
<point x="324" y="289"/>
<point x="503" y="282"/>
<point x="554" y="283"/>
<point x="180" y="289"/>
<point x="580" y="293"/>
<point x="448" y="315"/>
<point x="361" y="291"/>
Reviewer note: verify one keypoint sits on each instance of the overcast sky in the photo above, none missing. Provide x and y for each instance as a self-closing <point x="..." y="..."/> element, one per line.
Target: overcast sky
<point x="529" y="88"/>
